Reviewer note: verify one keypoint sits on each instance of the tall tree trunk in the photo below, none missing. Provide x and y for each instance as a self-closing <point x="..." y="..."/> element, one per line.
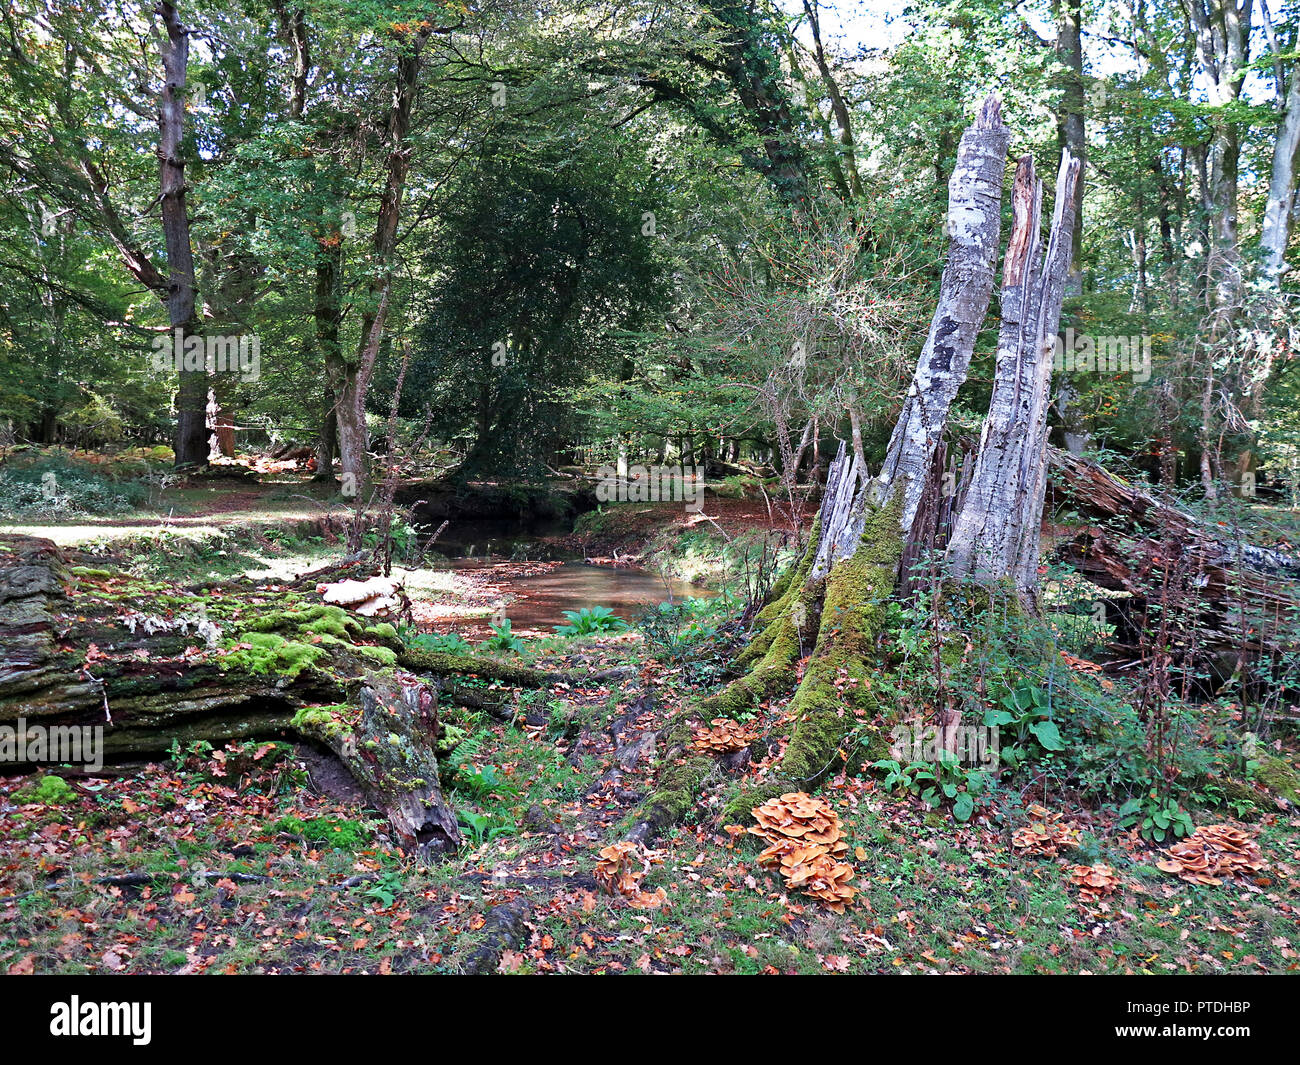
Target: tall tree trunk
<point x="1070" y="129"/>
<point x="1282" y="184"/>
<point x="191" y="441"/>
<point x="1222" y="30"/>
<point x="356" y="376"/>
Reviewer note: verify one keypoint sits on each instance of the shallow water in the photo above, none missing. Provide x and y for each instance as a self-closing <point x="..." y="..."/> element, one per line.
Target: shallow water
<point x="574" y="585"/>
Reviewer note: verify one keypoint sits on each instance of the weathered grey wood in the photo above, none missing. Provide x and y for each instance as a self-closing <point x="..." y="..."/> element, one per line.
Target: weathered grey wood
<point x="996" y="533"/>
<point x="974" y="226"/>
<point x="1049" y="296"/>
<point x="980" y="545"/>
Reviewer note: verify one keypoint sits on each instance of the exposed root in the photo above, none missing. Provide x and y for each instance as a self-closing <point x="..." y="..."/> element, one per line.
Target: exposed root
<point x="840" y="670"/>
<point x="439" y="663"/>
<point x="774" y="651"/>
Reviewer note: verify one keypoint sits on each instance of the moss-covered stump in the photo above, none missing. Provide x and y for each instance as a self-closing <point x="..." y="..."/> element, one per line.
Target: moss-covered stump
<point x="785" y="624"/>
<point x="387" y="740"/>
<point x="838" y="677"/>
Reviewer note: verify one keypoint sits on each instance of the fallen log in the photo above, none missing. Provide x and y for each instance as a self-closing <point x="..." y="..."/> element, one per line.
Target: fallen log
<point x="150" y="666"/>
<point x="1238" y="599"/>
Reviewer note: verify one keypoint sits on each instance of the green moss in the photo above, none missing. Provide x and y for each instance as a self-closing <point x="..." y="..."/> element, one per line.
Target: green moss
<point x="318" y="619"/>
<point x="267" y="652"/>
<point x="48" y="791"/>
<point x="385" y="657"/>
<point x="381" y="631"/>
<point x="738" y="809"/>
<point x="326" y="722"/>
<point x="452" y="736"/>
<point x="339" y="833"/>
<point x="441" y="663"/>
<point x="1279" y="776"/>
<point x="841" y="667"/>
<point x="676" y="790"/>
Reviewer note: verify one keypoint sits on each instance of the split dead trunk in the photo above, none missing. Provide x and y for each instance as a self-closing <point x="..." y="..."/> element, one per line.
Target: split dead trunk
<point x="996" y="534"/>
<point x="973" y="225"/>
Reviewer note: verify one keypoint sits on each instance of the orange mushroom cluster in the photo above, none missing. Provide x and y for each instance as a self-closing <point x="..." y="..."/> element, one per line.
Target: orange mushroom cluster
<point x="1095" y="882"/>
<point x="621" y="868"/>
<point x="1046" y="835"/>
<point x="724" y="737"/>
<point x="1212" y="854"/>
<point x="805" y="843"/>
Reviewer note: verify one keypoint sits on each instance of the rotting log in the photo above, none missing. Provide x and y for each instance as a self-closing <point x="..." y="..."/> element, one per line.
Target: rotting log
<point x="152" y="675"/>
<point x="1244" y="600"/>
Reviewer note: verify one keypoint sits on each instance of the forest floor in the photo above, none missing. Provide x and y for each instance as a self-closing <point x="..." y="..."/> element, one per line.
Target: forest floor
<point x="255" y="859"/>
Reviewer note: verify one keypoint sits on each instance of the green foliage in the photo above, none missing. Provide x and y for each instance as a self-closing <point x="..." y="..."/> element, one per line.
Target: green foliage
<point x="591" y="620"/>
<point x="1024" y="715"/>
<point x="1156" y="818"/>
<point x="384" y="889"/>
<point x="693" y="635"/>
<point x="482" y="781"/>
<point x="936" y="782"/>
<point x="503" y="639"/>
<point x="55" y="486"/>
<point x="483" y="828"/>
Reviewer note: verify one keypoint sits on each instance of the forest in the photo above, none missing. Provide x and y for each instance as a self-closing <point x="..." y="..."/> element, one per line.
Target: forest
<point x="649" y="487"/>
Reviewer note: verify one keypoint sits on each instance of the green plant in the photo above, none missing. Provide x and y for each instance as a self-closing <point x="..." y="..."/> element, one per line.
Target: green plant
<point x="691" y="635"/>
<point x="482" y="782"/>
<point x="590" y="620"/>
<point x="1025" y="717"/>
<point x="1156" y="818"/>
<point x="385" y="889"/>
<point x="195" y="753"/>
<point x="935" y="782"/>
<point x="483" y="828"/>
<point x="57" y="485"/>
<point x="502" y="639"/>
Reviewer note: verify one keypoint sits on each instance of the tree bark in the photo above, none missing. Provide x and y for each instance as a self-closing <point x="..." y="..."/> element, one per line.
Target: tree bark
<point x="996" y="534"/>
<point x="191" y="440"/>
<point x="974" y="224"/>
<point x="1282" y="184"/>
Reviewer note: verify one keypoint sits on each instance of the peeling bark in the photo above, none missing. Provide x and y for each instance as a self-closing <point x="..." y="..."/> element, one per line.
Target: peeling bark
<point x="974" y="225"/>
<point x="996" y="534"/>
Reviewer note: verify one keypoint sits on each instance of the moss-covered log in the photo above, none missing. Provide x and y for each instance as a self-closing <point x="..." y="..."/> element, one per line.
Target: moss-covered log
<point x="153" y="665"/>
